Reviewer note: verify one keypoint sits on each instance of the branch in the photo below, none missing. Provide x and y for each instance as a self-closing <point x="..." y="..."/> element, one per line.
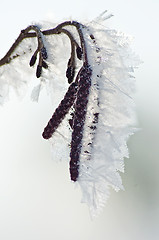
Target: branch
<point x="25" y="34"/>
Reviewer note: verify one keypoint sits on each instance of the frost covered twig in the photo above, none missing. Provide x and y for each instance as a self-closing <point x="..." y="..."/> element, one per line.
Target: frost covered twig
<point x="57" y="30"/>
<point x="78" y="91"/>
<point x="98" y="100"/>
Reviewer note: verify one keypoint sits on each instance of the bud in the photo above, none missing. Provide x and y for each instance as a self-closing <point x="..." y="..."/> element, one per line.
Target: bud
<point x="33" y="60"/>
<point x="79" y="53"/>
<point x="70" y="73"/>
<point x="38" y="71"/>
<point x="44" y="65"/>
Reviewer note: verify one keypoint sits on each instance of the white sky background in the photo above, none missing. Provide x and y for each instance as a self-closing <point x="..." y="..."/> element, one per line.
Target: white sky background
<point x="37" y="199"/>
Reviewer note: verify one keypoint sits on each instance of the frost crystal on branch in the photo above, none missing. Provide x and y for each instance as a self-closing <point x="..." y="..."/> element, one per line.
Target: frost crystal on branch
<point x="98" y="67"/>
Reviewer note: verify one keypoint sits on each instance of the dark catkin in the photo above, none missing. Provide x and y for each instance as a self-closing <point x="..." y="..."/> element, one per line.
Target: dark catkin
<point x="44" y="64"/>
<point x="70" y="73"/>
<point x="79" y="53"/>
<point x="79" y="120"/>
<point x="33" y="60"/>
<point x="38" y="71"/>
<point x="61" y="111"/>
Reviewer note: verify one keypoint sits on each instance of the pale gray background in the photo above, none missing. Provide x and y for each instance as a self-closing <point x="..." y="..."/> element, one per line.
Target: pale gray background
<point x="37" y="199"/>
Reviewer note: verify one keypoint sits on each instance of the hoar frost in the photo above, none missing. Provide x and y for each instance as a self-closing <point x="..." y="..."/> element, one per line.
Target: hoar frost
<point x="97" y="108"/>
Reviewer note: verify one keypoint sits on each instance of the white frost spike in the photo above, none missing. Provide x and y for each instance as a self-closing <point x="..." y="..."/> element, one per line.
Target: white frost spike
<point x="103" y="16"/>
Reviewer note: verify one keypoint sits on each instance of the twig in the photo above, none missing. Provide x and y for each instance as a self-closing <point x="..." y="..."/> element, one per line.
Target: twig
<point x="26" y="34"/>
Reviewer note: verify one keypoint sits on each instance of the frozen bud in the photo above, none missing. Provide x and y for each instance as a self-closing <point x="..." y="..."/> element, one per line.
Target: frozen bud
<point x="38" y="71"/>
<point x="33" y="60"/>
<point x="79" y="53"/>
<point x="44" y="65"/>
<point x="44" y="53"/>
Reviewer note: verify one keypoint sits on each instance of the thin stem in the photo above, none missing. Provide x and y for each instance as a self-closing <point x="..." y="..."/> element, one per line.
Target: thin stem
<point x="38" y="34"/>
<point x="23" y="34"/>
<point x="6" y="59"/>
<point x="73" y="43"/>
<point x="63" y="30"/>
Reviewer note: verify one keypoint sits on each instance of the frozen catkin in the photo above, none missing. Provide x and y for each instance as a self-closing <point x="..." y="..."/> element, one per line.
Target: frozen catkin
<point x="61" y="111"/>
<point x="79" y="120"/>
<point x="96" y="85"/>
